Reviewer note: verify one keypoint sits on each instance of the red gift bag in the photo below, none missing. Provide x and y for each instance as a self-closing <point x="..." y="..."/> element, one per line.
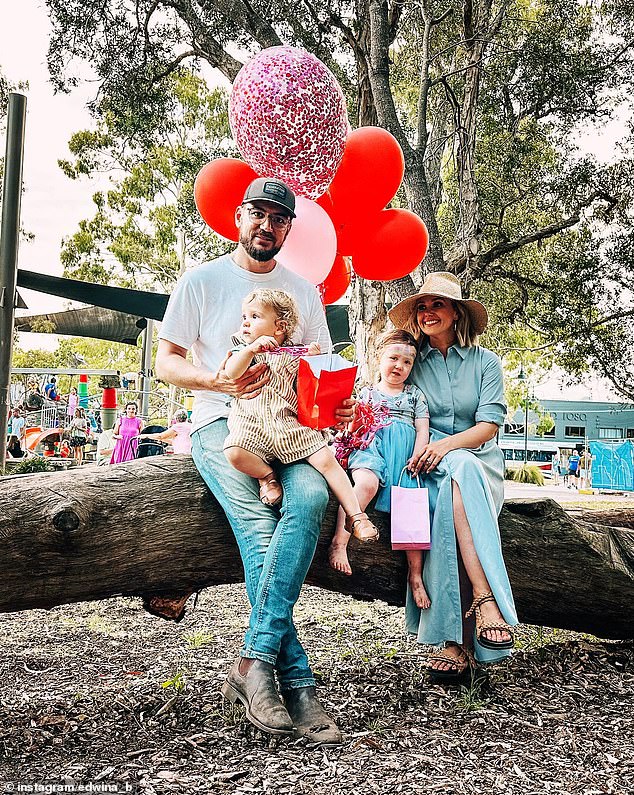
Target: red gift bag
<point x="323" y="383"/>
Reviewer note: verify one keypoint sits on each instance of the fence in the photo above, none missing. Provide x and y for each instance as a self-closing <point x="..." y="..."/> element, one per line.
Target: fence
<point x="613" y="465"/>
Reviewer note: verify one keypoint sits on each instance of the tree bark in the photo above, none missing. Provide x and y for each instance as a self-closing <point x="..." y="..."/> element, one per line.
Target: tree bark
<point x="151" y="527"/>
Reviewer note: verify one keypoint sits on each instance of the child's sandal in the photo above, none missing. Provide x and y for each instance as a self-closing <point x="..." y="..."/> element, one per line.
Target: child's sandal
<point x="268" y="485"/>
<point x="362" y="528"/>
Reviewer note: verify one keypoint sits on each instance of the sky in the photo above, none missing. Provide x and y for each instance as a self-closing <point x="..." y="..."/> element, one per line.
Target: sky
<point x="53" y="205"/>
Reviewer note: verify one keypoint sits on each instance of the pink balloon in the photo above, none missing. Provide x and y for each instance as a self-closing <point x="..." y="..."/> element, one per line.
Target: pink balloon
<point x="288" y="116"/>
<point x="311" y="245"/>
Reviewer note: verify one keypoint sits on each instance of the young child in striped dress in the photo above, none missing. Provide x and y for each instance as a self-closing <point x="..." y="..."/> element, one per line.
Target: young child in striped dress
<point x="265" y="428"/>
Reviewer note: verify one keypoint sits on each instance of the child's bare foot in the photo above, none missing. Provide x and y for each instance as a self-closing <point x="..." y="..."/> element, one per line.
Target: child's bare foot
<point x="338" y="558"/>
<point x="419" y="593"/>
<point x="270" y="490"/>
<point x="361" y="527"/>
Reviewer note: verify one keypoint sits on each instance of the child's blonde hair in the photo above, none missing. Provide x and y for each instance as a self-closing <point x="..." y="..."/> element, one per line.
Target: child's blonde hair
<point x="395" y="337"/>
<point x="283" y="304"/>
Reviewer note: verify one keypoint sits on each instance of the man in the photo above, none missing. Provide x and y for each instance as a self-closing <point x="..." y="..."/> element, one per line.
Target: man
<point x="17" y="434"/>
<point x="50" y="390"/>
<point x="203" y="312"/>
<point x="573" y="468"/>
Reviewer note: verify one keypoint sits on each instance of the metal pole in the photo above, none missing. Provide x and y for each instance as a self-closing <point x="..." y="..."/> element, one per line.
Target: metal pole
<point x="147" y="368"/>
<point x="9" y="239"/>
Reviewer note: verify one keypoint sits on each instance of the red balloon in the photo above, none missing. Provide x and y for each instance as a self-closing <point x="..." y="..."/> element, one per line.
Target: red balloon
<point x="370" y="173"/>
<point x="347" y="229"/>
<point x="395" y="243"/>
<point x="337" y="282"/>
<point x="218" y="190"/>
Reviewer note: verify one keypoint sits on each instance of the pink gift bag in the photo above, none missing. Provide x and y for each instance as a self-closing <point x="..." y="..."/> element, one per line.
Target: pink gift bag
<point x="410" y="516"/>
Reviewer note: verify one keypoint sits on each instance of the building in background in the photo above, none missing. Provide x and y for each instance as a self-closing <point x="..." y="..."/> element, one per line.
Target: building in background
<point x="577" y="423"/>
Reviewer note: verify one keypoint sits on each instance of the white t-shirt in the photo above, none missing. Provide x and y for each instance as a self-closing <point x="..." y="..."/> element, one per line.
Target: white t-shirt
<point x="17" y="426"/>
<point x="205" y="310"/>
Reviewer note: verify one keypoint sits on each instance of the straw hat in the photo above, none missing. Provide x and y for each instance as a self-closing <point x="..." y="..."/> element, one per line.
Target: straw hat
<point x="445" y="285"/>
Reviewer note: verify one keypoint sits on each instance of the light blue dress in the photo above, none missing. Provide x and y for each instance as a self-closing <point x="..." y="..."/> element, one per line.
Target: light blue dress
<point x="461" y="390"/>
<point x="387" y="453"/>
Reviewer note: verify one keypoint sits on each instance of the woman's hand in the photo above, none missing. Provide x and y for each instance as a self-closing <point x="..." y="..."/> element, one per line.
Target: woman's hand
<point x="247" y="386"/>
<point x="313" y="349"/>
<point x="430" y="456"/>
<point x="345" y="414"/>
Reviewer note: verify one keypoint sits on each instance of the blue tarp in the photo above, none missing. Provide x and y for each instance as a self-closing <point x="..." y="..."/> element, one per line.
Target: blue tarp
<point x="613" y="466"/>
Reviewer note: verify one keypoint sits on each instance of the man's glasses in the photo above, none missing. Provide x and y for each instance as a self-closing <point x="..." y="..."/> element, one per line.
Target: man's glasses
<point x="259" y="217"/>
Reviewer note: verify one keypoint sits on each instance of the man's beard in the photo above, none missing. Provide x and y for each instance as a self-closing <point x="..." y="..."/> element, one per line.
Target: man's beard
<point x="258" y="254"/>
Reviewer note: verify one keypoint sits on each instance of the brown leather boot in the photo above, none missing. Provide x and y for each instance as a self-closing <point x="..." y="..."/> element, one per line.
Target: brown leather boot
<point x="310" y="718"/>
<point x="256" y="690"/>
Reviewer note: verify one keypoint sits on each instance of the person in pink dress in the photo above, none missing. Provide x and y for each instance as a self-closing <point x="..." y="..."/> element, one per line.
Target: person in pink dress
<point x="178" y="434"/>
<point x="73" y="402"/>
<point x="126" y="431"/>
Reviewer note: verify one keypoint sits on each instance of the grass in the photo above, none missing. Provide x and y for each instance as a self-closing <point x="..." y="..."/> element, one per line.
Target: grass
<point x="178" y="682"/>
<point x="471" y="698"/>
<point x="198" y="639"/>
<point x="527" y="473"/>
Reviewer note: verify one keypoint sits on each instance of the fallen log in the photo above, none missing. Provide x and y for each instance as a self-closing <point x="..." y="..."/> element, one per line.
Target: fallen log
<point x="151" y="527"/>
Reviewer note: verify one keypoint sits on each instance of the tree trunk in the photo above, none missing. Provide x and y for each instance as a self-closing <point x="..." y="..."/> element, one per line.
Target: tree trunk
<point x="151" y="527"/>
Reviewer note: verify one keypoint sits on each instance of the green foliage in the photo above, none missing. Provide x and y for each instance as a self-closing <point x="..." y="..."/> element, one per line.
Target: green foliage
<point x="146" y="226"/>
<point x="527" y="473"/>
<point x="178" y="681"/>
<point x="30" y="466"/>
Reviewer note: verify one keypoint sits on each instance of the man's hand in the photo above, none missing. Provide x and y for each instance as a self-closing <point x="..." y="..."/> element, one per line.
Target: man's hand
<point x="247" y="386"/>
<point x="345" y="414"/>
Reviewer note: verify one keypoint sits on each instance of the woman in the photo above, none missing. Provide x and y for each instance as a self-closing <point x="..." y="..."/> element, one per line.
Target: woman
<point x="126" y="429"/>
<point x="178" y="435"/>
<point x="79" y="431"/>
<point x="464" y="471"/>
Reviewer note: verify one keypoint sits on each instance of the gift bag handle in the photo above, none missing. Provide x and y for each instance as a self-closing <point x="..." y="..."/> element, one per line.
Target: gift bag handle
<point x="332" y="346"/>
<point x="417" y="477"/>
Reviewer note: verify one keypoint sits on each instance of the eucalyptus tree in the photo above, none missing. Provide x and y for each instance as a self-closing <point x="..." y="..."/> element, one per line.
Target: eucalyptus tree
<point x="146" y="227"/>
<point x="486" y="100"/>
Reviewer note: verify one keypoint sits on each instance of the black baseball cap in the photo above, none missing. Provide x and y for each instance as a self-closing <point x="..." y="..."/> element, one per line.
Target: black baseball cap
<point x="273" y="191"/>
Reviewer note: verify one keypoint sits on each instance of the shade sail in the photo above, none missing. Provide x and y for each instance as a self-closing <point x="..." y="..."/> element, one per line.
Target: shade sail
<point x="91" y="321"/>
<point x="137" y="302"/>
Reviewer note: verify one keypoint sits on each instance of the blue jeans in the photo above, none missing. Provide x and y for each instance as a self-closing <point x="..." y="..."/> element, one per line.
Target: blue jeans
<point x="276" y="552"/>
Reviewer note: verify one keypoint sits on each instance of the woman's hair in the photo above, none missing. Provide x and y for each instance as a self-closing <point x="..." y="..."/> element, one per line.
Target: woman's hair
<point x="73" y="389"/>
<point x="131" y="403"/>
<point x="79" y="411"/>
<point x="283" y="304"/>
<point x="396" y="337"/>
<point x="180" y="416"/>
<point x="465" y="332"/>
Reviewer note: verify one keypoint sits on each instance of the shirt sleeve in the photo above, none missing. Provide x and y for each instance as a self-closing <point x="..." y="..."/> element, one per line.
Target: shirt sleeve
<point x="421" y="409"/>
<point x="182" y="321"/>
<point x="492" y="406"/>
<point x="316" y="328"/>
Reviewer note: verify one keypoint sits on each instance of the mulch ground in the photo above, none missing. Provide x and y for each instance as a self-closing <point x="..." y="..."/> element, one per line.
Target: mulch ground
<point x="103" y="694"/>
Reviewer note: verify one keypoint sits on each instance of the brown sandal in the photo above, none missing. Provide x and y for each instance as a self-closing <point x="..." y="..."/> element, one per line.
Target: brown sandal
<point x="361" y="527"/>
<point x="481" y="627"/>
<point x="460" y="665"/>
<point x="268" y="484"/>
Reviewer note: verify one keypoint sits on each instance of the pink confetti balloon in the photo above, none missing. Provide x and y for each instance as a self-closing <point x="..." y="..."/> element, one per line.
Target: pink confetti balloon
<point x="288" y="116"/>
